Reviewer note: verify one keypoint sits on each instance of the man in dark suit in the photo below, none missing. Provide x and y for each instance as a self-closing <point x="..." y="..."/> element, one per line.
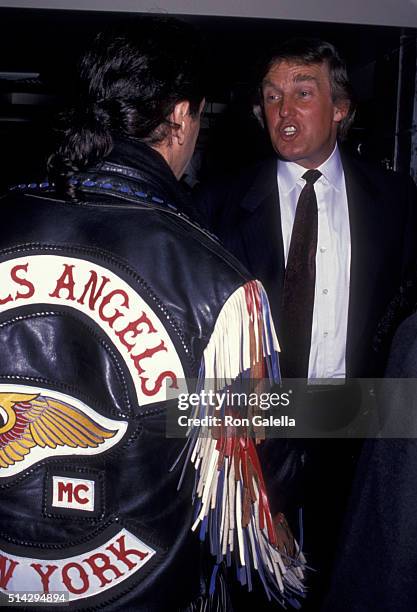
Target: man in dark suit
<point x="363" y="248"/>
<point x="367" y="245"/>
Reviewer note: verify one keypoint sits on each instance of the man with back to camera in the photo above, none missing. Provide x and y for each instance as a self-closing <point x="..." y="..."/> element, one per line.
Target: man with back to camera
<point x="102" y="308"/>
<point x="330" y="237"/>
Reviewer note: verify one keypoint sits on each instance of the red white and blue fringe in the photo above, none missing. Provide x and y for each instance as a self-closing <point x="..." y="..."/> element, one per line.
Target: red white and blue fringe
<point x="230" y="497"/>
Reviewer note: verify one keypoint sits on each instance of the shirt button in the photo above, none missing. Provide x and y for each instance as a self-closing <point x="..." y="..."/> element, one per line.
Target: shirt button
<point x="325" y="334"/>
<point x="323" y="249"/>
<point x="325" y="291"/>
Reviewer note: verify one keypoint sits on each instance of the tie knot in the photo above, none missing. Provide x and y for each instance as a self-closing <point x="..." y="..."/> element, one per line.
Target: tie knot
<point x="311" y="176"/>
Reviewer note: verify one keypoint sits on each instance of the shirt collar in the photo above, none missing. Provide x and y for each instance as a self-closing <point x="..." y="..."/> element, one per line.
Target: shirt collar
<point x="332" y="170"/>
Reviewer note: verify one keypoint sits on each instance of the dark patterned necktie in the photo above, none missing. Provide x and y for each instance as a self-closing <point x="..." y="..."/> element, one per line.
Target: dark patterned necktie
<point x="299" y="284"/>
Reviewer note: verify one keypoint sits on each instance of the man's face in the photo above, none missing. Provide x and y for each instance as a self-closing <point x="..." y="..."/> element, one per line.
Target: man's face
<point x="300" y="114"/>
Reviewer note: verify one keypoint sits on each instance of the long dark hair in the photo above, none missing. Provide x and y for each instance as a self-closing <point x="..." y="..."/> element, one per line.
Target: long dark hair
<point x="129" y="83"/>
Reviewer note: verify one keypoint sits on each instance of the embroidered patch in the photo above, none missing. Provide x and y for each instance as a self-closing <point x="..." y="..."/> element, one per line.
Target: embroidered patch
<point x="75" y="492"/>
<point x="130" y="323"/>
<point x="36" y="424"/>
<point x="83" y="575"/>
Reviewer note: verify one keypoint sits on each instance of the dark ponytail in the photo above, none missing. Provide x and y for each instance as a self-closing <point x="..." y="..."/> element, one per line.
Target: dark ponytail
<point x="85" y="140"/>
<point x="129" y="83"/>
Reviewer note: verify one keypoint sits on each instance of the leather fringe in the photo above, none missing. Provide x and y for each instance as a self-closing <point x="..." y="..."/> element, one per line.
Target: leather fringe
<point x="232" y="508"/>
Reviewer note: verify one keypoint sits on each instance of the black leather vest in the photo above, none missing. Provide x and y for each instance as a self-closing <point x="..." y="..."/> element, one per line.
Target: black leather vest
<point x="102" y="302"/>
<point x="109" y="306"/>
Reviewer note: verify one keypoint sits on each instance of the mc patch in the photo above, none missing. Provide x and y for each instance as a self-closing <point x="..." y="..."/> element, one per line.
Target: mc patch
<point x="78" y="493"/>
<point x="73" y="493"/>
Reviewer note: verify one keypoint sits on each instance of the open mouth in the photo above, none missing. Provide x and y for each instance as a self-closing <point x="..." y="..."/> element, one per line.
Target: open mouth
<point x="288" y="132"/>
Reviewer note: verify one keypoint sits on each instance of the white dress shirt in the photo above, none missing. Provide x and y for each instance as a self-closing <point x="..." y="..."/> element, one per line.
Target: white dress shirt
<point x="331" y="299"/>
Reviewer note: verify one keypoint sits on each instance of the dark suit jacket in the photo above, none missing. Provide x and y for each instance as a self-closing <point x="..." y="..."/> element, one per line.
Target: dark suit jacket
<point x="245" y="214"/>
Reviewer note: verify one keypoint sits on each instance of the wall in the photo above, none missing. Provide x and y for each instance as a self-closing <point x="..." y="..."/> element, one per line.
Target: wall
<point x="375" y="12"/>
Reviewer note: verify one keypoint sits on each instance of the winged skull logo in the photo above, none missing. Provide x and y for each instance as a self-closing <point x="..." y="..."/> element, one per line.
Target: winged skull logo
<point x="34" y="420"/>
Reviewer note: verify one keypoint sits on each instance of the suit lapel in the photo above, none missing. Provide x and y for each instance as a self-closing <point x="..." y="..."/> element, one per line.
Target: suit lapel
<point x="261" y="232"/>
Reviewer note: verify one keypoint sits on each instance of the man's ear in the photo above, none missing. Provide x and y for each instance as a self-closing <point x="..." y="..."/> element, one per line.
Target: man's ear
<point x="340" y="110"/>
<point x="258" y="112"/>
<point x="179" y="118"/>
